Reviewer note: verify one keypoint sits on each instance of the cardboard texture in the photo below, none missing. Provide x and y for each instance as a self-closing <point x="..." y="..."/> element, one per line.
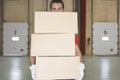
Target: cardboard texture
<point x="57" y="68"/>
<point x="55" y="52"/>
<point x="56" y="22"/>
<point x="52" y="45"/>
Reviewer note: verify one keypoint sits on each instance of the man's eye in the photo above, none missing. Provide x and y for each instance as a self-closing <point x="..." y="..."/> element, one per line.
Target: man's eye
<point x="54" y="9"/>
<point x="59" y="8"/>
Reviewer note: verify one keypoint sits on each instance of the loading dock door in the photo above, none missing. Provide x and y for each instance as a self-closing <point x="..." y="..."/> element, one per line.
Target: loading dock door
<point x="15" y="39"/>
<point x="105" y="39"/>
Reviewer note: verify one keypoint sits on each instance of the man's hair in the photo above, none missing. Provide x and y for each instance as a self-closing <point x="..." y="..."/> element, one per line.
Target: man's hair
<point x="56" y="1"/>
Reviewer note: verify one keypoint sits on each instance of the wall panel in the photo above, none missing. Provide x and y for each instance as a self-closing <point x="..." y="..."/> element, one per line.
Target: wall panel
<point x="15" y="10"/>
<point x="104" y="10"/>
<point x="119" y="27"/>
<point x="0" y="26"/>
<point x="88" y="48"/>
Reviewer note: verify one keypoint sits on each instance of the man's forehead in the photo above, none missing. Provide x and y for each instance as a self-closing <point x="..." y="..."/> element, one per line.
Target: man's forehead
<point x="56" y="5"/>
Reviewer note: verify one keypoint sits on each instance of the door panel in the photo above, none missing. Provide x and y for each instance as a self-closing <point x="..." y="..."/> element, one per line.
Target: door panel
<point x="105" y="39"/>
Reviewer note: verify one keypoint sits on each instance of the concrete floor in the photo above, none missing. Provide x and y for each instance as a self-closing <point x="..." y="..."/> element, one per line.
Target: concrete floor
<point x="97" y="68"/>
<point x="14" y="68"/>
<point x="102" y="68"/>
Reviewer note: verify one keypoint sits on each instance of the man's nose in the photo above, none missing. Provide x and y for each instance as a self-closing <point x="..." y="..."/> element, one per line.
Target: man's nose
<point x="57" y="10"/>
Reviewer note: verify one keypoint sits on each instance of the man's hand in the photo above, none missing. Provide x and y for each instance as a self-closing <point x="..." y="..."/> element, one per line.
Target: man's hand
<point x="32" y="69"/>
<point x="82" y="67"/>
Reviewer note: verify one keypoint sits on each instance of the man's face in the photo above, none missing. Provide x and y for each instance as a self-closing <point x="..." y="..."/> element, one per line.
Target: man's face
<point x="57" y="7"/>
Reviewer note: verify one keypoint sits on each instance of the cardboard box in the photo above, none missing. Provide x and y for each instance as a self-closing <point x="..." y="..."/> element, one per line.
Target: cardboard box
<point x="53" y="45"/>
<point x="57" y="68"/>
<point x="56" y="22"/>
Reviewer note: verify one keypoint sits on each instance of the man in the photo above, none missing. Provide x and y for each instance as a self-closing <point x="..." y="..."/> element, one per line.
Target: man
<point x="58" y="6"/>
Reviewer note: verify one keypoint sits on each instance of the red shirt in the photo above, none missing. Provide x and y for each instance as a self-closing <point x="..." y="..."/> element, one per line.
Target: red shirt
<point x="76" y="39"/>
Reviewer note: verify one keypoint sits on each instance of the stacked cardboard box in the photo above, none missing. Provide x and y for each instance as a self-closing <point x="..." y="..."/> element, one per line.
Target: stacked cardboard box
<point x="53" y="44"/>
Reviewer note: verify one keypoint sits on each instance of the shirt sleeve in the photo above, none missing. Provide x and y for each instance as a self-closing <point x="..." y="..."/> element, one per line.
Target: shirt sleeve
<point x="76" y="39"/>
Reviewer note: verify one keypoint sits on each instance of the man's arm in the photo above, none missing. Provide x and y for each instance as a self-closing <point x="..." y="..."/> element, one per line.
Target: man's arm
<point x="32" y="66"/>
<point x="32" y="60"/>
<point x="78" y="52"/>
